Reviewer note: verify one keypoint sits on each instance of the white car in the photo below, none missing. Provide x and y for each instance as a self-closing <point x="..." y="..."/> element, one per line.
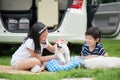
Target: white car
<point x="68" y="19"/>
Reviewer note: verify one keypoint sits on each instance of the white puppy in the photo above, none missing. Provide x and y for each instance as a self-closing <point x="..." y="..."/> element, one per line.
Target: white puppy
<point x="62" y="51"/>
<point x="102" y="62"/>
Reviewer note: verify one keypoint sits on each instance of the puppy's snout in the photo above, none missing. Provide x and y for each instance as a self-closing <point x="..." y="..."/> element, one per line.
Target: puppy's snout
<point x="59" y="46"/>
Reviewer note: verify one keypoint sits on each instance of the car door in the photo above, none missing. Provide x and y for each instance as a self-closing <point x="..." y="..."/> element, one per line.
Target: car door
<point x="107" y="18"/>
<point x="92" y="6"/>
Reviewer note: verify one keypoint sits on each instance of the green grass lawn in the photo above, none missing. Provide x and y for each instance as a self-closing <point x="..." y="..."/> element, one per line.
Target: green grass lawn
<point x="112" y="48"/>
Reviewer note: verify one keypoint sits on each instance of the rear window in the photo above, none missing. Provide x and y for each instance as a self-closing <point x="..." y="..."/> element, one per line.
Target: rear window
<point x="15" y="5"/>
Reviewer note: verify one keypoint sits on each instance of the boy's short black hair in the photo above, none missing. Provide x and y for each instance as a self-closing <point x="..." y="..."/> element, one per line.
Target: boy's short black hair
<point x="94" y="32"/>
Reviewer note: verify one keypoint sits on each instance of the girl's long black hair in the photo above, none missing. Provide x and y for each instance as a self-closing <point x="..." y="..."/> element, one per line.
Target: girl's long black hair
<point x="34" y="33"/>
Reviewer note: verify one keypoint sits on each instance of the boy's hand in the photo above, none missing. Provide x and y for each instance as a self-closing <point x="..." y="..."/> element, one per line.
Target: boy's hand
<point x="89" y="56"/>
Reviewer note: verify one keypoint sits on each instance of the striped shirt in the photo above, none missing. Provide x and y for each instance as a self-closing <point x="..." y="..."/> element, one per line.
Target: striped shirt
<point x="99" y="50"/>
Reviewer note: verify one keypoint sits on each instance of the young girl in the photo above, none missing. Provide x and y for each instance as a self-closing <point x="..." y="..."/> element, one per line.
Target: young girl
<point x="29" y="54"/>
<point x="92" y="48"/>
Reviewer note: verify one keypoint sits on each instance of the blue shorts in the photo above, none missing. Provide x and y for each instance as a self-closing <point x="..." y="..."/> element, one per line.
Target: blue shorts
<point x="54" y="64"/>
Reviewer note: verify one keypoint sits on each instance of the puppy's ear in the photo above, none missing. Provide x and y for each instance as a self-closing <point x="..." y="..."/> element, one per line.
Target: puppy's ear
<point x="66" y="42"/>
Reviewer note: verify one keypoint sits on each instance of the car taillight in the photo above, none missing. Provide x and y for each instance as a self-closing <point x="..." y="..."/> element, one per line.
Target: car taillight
<point x="77" y="4"/>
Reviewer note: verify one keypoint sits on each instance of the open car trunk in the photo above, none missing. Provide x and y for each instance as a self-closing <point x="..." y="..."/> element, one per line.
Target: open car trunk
<point x="19" y="15"/>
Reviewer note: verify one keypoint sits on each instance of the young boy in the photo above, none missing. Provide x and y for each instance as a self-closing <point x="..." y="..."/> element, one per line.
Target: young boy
<point x="92" y="48"/>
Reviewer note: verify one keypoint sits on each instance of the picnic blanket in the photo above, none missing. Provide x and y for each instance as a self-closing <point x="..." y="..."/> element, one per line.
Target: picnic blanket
<point x="8" y="69"/>
<point x="54" y="65"/>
